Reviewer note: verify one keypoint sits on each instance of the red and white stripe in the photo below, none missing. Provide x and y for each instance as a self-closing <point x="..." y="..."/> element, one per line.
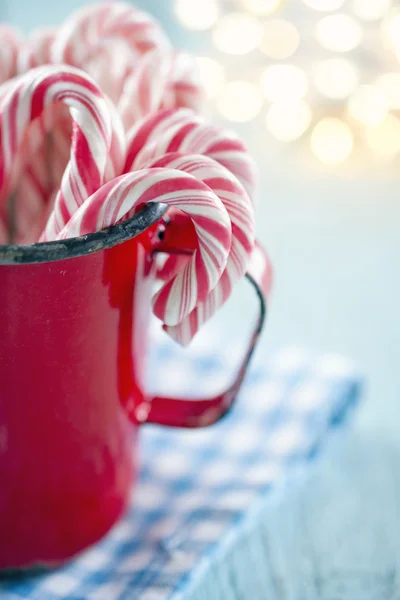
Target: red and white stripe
<point x="240" y="210"/>
<point x="153" y="127"/>
<point x="183" y="131"/>
<point x="35" y="51"/>
<point x="11" y="41"/>
<point x="120" y="198"/>
<point x="24" y="110"/>
<point x="161" y="80"/>
<point x="89" y="28"/>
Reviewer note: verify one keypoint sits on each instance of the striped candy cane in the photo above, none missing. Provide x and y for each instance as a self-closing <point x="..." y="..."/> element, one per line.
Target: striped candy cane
<point x="87" y="29"/>
<point x="181" y="130"/>
<point x="146" y="131"/>
<point x="35" y="51"/>
<point x="10" y="43"/>
<point x="23" y="113"/>
<point x="111" y="65"/>
<point x="161" y="80"/>
<point x="123" y="196"/>
<point x="241" y="214"/>
<point x="40" y="178"/>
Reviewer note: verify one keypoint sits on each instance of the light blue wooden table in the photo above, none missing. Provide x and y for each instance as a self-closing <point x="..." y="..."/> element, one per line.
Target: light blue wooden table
<point x="334" y="240"/>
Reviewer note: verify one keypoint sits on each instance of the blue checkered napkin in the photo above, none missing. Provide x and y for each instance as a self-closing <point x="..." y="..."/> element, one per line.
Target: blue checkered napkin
<point x="196" y="487"/>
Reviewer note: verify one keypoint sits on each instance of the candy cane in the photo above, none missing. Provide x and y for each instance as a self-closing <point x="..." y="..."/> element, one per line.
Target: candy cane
<point x="182" y="131"/>
<point x="119" y="198"/>
<point x="9" y="48"/>
<point x="111" y="65"/>
<point x="161" y="80"/>
<point x="241" y="214"/>
<point x="151" y="128"/>
<point x="36" y="50"/>
<point x="26" y="105"/>
<point x="80" y="36"/>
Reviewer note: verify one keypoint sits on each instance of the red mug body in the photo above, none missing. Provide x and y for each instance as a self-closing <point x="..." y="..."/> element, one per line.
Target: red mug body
<point x="73" y="338"/>
<point x="74" y="322"/>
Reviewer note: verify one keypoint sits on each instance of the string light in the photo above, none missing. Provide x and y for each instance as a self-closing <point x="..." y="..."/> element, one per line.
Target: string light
<point x="212" y="75"/>
<point x="237" y="33"/>
<point x="371" y="10"/>
<point x="335" y="78"/>
<point x="338" y="33"/>
<point x="368" y="105"/>
<point x="197" y="15"/>
<point x="261" y="8"/>
<point x="324" y="5"/>
<point x="239" y="101"/>
<point x="280" y="39"/>
<point x="384" y="138"/>
<point x="331" y="141"/>
<point x="288" y="121"/>
<point x="283" y="82"/>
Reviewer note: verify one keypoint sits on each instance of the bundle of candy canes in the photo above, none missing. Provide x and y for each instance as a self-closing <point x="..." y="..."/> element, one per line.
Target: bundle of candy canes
<point x="100" y="116"/>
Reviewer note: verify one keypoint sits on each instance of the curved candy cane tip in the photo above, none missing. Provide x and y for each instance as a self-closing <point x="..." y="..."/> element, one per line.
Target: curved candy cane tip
<point x="149" y="128"/>
<point x="235" y="199"/>
<point x="187" y="132"/>
<point x="161" y="80"/>
<point x="88" y="26"/>
<point x="28" y="103"/>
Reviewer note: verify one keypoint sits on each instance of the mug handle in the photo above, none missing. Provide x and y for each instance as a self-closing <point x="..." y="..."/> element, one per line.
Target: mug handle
<point x="191" y="413"/>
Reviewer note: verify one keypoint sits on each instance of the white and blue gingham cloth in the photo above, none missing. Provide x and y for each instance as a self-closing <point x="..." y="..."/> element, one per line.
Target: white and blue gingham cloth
<point x="196" y="487"/>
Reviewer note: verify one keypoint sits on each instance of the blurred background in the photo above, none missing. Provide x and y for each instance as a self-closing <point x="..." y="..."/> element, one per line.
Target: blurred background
<point x="313" y="86"/>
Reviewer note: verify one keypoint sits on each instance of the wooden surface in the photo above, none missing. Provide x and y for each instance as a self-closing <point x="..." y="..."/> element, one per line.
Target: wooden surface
<point x="337" y="538"/>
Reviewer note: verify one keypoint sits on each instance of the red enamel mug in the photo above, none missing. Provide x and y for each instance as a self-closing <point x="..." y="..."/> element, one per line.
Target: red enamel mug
<point x="73" y="338"/>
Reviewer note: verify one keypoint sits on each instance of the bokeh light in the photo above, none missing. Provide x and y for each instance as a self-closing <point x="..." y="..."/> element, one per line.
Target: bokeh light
<point x="281" y="83"/>
<point x="288" y="121"/>
<point x="348" y="66"/>
<point x="371" y="10"/>
<point x="391" y="30"/>
<point x="389" y="84"/>
<point x="324" y="5"/>
<point x="335" y="78"/>
<point x="280" y="39"/>
<point x="239" y="101"/>
<point x="237" y="33"/>
<point x="212" y="75"/>
<point x="331" y="141"/>
<point x="368" y="105"/>
<point x="197" y="15"/>
<point x="261" y="7"/>
<point x="338" y="33"/>
<point x="384" y="138"/>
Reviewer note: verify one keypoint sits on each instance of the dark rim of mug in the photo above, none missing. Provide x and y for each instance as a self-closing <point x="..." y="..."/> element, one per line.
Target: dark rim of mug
<point x="14" y="254"/>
